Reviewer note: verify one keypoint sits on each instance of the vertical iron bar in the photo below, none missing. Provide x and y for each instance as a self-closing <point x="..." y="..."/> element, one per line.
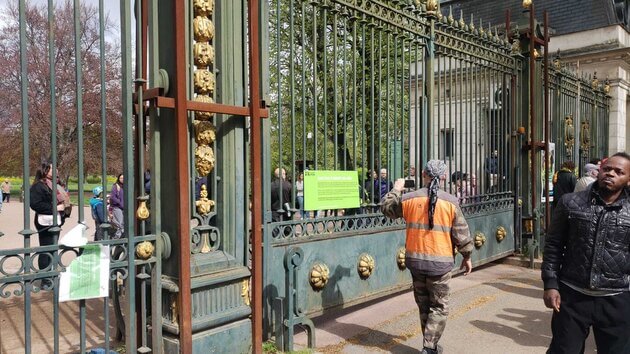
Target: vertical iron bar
<point x="79" y="107"/>
<point x="460" y="124"/>
<point x="53" y="130"/>
<point x="417" y="115"/>
<point x="344" y="91"/>
<point x="403" y="66"/>
<point x="532" y="120"/>
<point x="372" y="105"/>
<point x="469" y="122"/>
<point x="156" y="276"/>
<point x="140" y="125"/>
<point x="125" y="16"/>
<point x="140" y="121"/>
<point x="391" y="140"/>
<point x="101" y="29"/>
<point x="335" y="93"/>
<point x="354" y="93"/>
<point x="292" y="93"/>
<point x="143" y="308"/>
<point x="279" y="113"/>
<point x="450" y="130"/>
<point x="363" y="100"/>
<point x="325" y="89"/>
<point x="256" y="148"/>
<point x="26" y="232"/>
<point x="429" y="82"/>
<point x="315" y="81"/>
<point x="439" y="139"/>
<point x="303" y="45"/>
<point x="546" y="117"/>
<point x="79" y="103"/>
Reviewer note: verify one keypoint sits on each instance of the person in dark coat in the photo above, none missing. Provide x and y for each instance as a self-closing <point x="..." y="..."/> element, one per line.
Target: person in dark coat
<point x="41" y="201"/>
<point x="585" y="266"/>
<point x="564" y="182"/>
<point x="280" y="195"/>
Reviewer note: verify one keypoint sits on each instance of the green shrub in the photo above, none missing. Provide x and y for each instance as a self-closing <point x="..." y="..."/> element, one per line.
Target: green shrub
<point x="93" y="179"/>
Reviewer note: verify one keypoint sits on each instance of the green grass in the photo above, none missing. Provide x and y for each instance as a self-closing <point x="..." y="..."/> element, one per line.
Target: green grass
<point x="73" y="188"/>
<point x="269" y="347"/>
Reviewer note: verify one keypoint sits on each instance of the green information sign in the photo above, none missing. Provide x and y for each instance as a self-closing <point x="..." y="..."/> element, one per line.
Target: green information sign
<point x="325" y="190"/>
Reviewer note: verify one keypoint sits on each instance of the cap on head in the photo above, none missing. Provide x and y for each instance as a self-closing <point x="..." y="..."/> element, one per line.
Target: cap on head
<point x="97" y="191"/>
<point x="435" y="168"/>
<point x="589" y="167"/>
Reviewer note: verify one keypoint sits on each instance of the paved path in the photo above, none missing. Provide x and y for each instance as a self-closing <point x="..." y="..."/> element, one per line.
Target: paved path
<point x="12" y="222"/>
<point x="496" y="309"/>
<point x="12" y="330"/>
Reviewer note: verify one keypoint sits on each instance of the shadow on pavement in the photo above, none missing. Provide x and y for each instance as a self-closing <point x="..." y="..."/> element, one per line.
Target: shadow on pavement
<point x="531" y="328"/>
<point x="536" y="293"/>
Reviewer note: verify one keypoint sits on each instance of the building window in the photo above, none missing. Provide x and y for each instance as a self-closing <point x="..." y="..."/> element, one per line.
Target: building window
<point x="447" y="137"/>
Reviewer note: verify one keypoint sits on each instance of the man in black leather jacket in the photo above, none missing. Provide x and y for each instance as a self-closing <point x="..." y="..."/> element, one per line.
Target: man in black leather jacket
<point x="586" y="264"/>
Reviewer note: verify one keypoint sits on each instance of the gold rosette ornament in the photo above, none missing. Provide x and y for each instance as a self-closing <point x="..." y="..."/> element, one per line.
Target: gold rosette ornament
<point x="204" y="82"/>
<point x="319" y="276"/>
<point x="203" y="7"/>
<point x="203" y="115"/>
<point x="204" y="160"/>
<point x="400" y="258"/>
<point x="203" y="28"/>
<point x="203" y="54"/>
<point x="480" y="239"/>
<point x="365" y="266"/>
<point x="205" y="132"/>
<point x="144" y="250"/>
<point x="501" y="233"/>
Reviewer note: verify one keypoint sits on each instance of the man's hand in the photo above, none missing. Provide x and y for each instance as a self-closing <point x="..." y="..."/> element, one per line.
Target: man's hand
<point x="399" y="185"/>
<point x="466" y="264"/>
<point x="552" y="299"/>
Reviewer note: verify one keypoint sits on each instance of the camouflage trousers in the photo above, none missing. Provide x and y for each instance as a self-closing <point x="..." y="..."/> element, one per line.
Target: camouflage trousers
<point x="432" y="295"/>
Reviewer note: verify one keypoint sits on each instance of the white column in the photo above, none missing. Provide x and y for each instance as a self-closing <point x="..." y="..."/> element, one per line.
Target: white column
<point x="617" y="118"/>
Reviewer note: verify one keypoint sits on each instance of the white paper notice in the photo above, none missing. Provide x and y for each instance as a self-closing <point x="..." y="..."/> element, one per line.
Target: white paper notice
<point x="75" y="237"/>
<point x="87" y="277"/>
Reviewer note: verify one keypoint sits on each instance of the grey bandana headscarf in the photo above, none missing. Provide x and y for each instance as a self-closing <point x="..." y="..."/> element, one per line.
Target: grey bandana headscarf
<point x="435" y="169"/>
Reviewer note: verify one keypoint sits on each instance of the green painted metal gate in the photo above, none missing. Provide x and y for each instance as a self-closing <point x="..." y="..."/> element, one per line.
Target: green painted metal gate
<point x="76" y="119"/>
<point x="350" y="84"/>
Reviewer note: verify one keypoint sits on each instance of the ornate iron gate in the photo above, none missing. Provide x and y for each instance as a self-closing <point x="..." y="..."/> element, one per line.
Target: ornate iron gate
<point x="379" y="88"/>
<point x="102" y="114"/>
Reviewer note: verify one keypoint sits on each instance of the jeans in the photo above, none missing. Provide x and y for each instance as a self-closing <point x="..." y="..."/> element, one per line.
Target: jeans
<point x="300" y="205"/>
<point x="119" y="222"/>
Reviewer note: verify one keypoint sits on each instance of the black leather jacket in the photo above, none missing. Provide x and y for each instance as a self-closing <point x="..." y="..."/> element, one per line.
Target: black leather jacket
<point x="588" y="243"/>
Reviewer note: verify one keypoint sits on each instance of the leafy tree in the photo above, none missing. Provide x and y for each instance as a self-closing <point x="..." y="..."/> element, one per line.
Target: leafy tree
<point x="330" y="72"/>
<point x="39" y="87"/>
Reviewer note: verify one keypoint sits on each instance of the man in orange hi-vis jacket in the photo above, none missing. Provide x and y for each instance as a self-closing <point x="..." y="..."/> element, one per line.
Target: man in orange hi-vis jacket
<point x="435" y="224"/>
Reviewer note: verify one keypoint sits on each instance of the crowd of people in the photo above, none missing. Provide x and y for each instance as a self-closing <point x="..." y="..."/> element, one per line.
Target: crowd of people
<point x="371" y="190"/>
<point x="47" y="215"/>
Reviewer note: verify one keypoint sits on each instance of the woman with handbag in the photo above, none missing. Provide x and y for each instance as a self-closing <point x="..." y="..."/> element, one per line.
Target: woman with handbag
<point x="42" y="204"/>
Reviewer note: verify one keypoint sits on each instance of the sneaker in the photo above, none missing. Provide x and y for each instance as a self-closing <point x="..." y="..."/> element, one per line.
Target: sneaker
<point x="426" y="350"/>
